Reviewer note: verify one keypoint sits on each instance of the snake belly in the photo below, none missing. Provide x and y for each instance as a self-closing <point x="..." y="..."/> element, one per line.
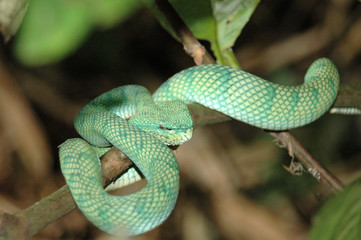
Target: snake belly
<point x="236" y="93"/>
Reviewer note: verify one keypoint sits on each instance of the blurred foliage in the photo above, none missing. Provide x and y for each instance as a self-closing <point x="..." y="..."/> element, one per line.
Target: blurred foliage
<point x="218" y="21"/>
<point x="53" y="29"/>
<point x="340" y="217"/>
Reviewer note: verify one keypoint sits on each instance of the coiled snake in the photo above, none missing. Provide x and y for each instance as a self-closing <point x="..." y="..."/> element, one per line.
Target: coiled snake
<point x="166" y="120"/>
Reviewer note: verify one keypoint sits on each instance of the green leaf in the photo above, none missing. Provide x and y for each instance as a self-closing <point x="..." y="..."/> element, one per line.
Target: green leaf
<point x="218" y="21"/>
<point x="231" y="17"/>
<point x="198" y="16"/>
<point x="54" y="29"/>
<point x="50" y="31"/>
<point x="340" y="217"/>
<point x="107" y="13"/>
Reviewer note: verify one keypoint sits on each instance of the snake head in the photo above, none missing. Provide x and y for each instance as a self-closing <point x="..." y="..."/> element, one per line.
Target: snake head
<point x="169" y="121"/>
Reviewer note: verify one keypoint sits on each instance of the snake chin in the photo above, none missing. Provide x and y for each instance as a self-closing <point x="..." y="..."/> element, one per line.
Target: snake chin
<point x="177" y="137"/>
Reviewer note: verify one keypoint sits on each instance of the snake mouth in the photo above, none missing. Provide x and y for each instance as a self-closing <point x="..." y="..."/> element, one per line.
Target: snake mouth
<point x="174" y="136"/>
<point x="168" y="134"/>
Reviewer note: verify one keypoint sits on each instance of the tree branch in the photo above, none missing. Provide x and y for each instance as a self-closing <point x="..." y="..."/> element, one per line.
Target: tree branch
<point x="28" y="222"/>
<point x="31" y="220"/>
<point x="349" y="96"/>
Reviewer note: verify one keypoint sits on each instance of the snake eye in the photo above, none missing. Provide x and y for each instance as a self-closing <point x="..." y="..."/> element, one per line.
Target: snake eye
<point x="163" y="127"/>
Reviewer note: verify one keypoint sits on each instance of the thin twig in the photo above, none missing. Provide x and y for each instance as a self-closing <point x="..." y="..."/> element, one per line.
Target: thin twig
<point x="191" y="45"/>
<point x="314" y="167"/>
<point x="349" y="96"/>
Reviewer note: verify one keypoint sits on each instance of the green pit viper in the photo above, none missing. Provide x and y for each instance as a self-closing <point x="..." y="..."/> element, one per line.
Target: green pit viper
<point x="163" y="119"/>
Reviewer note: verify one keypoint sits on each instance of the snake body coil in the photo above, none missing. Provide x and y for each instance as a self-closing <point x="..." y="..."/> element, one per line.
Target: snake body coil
<point x="166" y="120"/>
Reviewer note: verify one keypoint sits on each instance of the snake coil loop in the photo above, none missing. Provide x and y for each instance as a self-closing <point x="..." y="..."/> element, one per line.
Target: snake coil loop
<point x="236" y="93"/>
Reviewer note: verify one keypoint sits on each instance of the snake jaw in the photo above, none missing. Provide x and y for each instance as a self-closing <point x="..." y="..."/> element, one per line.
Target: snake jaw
<point x="176" y="136"/>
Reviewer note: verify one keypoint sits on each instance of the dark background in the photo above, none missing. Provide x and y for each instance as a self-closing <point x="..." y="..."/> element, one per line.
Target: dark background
<point x="233" y="185"/>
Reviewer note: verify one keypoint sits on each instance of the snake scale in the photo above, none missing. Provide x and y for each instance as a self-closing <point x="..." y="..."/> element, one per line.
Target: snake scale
<point x="163" y="119"/>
